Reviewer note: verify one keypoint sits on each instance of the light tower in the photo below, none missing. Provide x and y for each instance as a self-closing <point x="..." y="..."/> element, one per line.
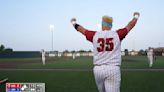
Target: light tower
<point x="52" y="29"/>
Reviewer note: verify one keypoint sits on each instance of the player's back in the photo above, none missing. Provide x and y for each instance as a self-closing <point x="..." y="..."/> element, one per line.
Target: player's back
<point x="107" y="48"/>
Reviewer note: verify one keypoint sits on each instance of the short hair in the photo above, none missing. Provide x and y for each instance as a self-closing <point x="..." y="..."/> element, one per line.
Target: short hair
<point x="107" y="19"/>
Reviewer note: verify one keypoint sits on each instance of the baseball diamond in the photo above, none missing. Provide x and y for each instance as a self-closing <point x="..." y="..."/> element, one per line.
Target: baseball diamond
<point x="81" y="46"/>
<point x="136" y="74"/>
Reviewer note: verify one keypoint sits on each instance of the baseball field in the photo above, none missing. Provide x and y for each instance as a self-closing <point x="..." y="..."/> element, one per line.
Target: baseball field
<point x="75" y="75"/>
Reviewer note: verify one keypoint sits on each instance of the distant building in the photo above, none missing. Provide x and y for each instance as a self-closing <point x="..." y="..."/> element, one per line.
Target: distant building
<point x="59" y="54"/>
<point x="53" y="53"/>
<point x="122" y="53"/>
<point x="78" y="54"/>
<point x="86" y="54"/>
<point x="68" y="54"/>
<point x="133" y="53"/>
<point x="90" y="53"/>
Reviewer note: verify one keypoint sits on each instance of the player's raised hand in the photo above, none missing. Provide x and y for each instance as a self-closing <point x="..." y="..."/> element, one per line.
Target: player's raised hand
<point x="78" y="27"/>
<point x="73" y="21"/>
<point x="136" y="15"/>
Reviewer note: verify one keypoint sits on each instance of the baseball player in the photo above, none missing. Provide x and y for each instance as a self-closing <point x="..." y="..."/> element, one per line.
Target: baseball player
<point x="162" y="52"/>
<point x="43" y="57"/>
<point x="107" y="52"/>
<point x="150" y="56"/>
<point x="74" y="55"/>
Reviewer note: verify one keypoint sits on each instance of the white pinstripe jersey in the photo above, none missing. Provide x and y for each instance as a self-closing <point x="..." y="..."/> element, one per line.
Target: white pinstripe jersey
<point x="107" y="48"/>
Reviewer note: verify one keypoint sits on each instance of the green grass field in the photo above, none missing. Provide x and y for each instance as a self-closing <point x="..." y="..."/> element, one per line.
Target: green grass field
<point x="82" y="81"/>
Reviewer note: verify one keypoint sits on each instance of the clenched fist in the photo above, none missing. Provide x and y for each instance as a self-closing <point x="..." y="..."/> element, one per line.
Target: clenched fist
<point x="73" y="21"/>
<point x="136" y="15"/>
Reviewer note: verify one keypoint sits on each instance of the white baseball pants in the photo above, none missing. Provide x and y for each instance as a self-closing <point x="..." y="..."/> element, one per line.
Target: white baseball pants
<point x="107" y="78"/>
<point x="43" y="60"/>
<point x="150" y="61"/>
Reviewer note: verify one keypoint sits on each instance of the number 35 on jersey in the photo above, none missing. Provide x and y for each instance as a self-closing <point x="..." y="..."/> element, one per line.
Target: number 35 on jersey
<point x="105" y="44"/>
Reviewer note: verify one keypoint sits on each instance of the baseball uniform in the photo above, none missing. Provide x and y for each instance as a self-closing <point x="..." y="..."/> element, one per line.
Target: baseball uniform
<point x="43" y="57"/>
<point x="150" y="57"/>
<point x="107" y="58"/>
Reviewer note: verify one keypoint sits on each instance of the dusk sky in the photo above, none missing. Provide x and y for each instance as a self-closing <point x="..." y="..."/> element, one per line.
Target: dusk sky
<point x="24" y="24"/>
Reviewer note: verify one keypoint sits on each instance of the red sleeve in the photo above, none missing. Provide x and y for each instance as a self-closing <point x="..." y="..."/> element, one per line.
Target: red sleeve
<point x="89" y="35"/>
<point x="122" y="33"/>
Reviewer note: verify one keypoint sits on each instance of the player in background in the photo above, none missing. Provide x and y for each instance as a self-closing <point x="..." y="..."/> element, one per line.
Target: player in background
<point x="162" y="52"/>
<point x="107" y="52"/>
<point x="73" y="55"/>
<point x="150" y="56"/>
<point x="43" y="57"/>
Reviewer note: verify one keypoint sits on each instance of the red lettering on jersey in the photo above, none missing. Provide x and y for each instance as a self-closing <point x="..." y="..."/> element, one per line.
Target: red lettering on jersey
<point x="105" y="44"/>
<point x="109" y="44"/>
<point x="101" y="44"/>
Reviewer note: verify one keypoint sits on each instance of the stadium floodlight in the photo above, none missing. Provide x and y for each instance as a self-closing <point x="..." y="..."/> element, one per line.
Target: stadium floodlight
<point x="52" y="29"/>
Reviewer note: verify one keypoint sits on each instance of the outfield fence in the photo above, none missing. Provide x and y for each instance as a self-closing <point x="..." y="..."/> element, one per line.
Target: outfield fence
<point x="20" y="54"/>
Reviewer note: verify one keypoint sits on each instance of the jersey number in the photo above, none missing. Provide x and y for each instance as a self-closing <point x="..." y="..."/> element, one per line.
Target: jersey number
<point x="105" y="44"/>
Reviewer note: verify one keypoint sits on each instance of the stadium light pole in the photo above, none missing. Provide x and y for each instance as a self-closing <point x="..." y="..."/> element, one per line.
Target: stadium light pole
<point x="52" y="29"/>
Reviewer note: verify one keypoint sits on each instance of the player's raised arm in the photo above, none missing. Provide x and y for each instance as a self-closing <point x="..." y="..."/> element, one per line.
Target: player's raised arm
<point x="132" y="23"/>
<point x="77" y="26"/>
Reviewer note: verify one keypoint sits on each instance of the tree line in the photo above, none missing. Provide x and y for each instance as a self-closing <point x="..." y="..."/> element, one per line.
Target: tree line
<point x="4" y="49"/>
